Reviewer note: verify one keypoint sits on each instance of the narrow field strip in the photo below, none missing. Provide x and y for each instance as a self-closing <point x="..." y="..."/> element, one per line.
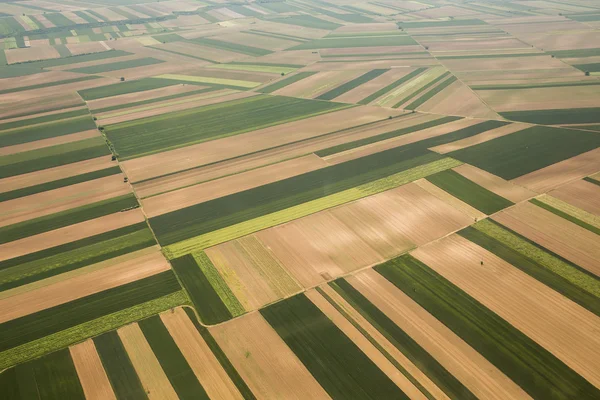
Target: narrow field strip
<point x="569" y="209"/>
<point x="346" y="87"/>
<point x="285" y="82"/>
<point x="92" y="376"/>
<point x="569" y="217"/>
<point x="391" y="86"/>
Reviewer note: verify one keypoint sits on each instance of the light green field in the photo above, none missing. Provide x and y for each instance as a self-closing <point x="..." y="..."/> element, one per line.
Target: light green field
<point x="410" y="87"/>
<point x="29" y="22"/>
<point x="255" y="68"/>
<point x="206" y="79"/>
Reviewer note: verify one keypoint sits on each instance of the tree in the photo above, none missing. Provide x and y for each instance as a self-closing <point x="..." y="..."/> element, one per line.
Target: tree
<point x="122" y="79"/>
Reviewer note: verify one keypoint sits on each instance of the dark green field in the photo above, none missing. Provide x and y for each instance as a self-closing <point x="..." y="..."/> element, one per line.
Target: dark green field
<point x="116" y="66"/>
<point x="341" y="368"/>
<point x="392" y="86"/>
<point x="422" y="89"/>
<point x="348" y="86"/>
<point x="116" y="89"/>
<point x="238" y="48"/>
<point x="46" y="130"/>
<point x="21" y="123"/>
<point x="285" y="82"/>
<point x="528" y="150"/>
<point x="556" y="117"/>
<point x="49" y="84"/>
<point x="421" y="100"/>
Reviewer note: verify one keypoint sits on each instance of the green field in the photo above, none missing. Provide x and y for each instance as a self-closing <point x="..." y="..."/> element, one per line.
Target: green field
<point x="237" y="48"/>
<point x="529" y="365"/>
<point x="116" y="66"/>
<point x="441" y="24"/>
<point x="528" y="150"/>
<point x="341" y="368"/>
<point x="420" y="88"/>
<point x="356" y="41"/>
<point x="59" y="19"/>
<point x="233" y="83"/>
<point x="535" y="86"/>
<point x="46" y="130"/>
<point x="270" y="68"/>
<point x="307" y="21"/>
<point x="49" y="84"/>
<point x="469" y="192"/>
<point x="556" y="117"/>
<point x="354" y="83"/>
<point x="392" y="86"/>
<point x="285" y="82"/>
<point x="169" y="131"/>
<point x="429" y="94"/>
<point x="116" y="89"/>
<point x="76" y="59"/>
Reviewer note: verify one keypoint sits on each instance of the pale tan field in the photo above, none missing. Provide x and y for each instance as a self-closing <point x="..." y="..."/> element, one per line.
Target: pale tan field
<point x="221" y="149"/>
<point x="90" y="371"/>
<point x="196" y="194"/>
<point x="495" y="184"/>
<point x="486" y="44"/>
<point x="53" y="201"/>
<point x="57" y="92"/>
<point x="360" y="64"/>
<point x="63" y="292"/>
<point x="542" y="61"/>
<point x="480" y="138"/>
<point x="269" y="368"/>
<point x="300" y="57"/>
<point x="56" y="173"/>
<point x="252" y="271"/>
<point x="446" y="197"/>
<point x="317" y="84"/>
<point x="404" y="51"/>
<point x="366" y="89"/>
<point x="14" y="56"/>
<point x="558" y="235"/>
<point x="263" y="42"/>
<point x="300" y="31"/>
<point x="548" y="178"/>
<point x="582" y="194"/>
<point x="482" y="378"/>
<point x="124" y="99"/>
<point x="210" y="53"/>
<point x="109" y="14"/>
<point x="541" y="98"/>
<point x="38" y="144"/>
<point x="69" y="234"/>
<point x="74" y="17"/>
<point x="400" y="141"/>
<point x="365" y="346"/>
<point x="201" y="359"/>
<point x="153" y="378"/>
<point x="85" y="48"/>
<point x="16" y="104"/>
<point x="269" y="157"/>
<point x="183" y="21"/>
<point x="541" y="313"/>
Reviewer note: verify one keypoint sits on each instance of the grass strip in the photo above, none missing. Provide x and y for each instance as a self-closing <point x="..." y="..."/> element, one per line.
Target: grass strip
<point x="566" y="216"/>
<point x="510" y="156"/>
<point x="535" y="269"/>
<point x="421" y="100"/>
<point x="43" y="187"/>
<point x="171" y="360"/>
<point x="468" y="191"/>
<point x="383" y="136"/>
<point x="426" y="165"/>
<point x="339" y="366"/>
<point x="120" y="371"/>
<point x="346" y="87"/>
<point x="285" y="82"/>
<point x="560" y="266"/>
<point x="116" y="66"/>
<point x="421" y="89"/>
<point x="55" y="377"/>
<point x="116" y="89"/>
<point x="205" y="298"/>
<point x="34" y="326"/>
<point x="392" y="86"/>
<point x="529" y="365"/>
<point x="402" y="341"/>
<point x="54" y="156"/>
<point x="591" y="180"/>
<point x="221" y="357"/>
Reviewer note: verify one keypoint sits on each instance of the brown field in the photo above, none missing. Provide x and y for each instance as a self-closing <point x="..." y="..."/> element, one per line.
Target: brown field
<point x="367" y="65"/>
<point x="56" y="173"/>
<point x="74" y="17"/>
<point x="72" y="289"/>
<point x="252" y="271"/>
<point x="495" y="184"/>
<point x="542" y="61"/>
<point x="541" y="313"/>
<point x="140" y="96"/>
<point x="84" y="48"/>
<point x="204" y="99"/>
<point x="53" y="201"/>
<point x="184" y="20"/>
<point x="210" y="53"/>
<point x="44" y="21"/>
<point x="263" y="42"/>
<point x="12" y="105"/>
<point x="447" y="198"/>
<point x="480" y="138"/>
<point x="468" y="366"/>
<point x="203" y="362"/>
<point x="548" y="178"/>
<point x="69" y="234"/>
<point x="153" y="378"/>
<point x="400" y="141"/>
<point x="109" y="14"/>
<point x="582" y="194"/>
<point x="90" y="371"/>
<point x="365" y="346"/>
<point x="318" y="84"/>
<point x="486" y="44"/>
<point x="14" y="56"/>
<point x="47" y="93"/>
<point x="235" y="146"/>
<point x="269" y="368"/>
<point x="300" y="57"/>
<point x="405" y="51"/>
<point x="38" y="144"/>
<point x="200" y="193"/>
<point x="541" y="98"/>
<point x="300" y="31"/>
<point x="558" y="235"/>
<point x="368" y="27"/>
<point x="366" y="89"/>
<point x="94" y="63"/>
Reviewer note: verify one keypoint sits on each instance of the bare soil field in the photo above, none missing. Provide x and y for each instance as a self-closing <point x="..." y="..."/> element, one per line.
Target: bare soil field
<point x="447" y="198"/>
<point x="495" y="184"/>
<point x="542" y="61"/>
<point x="85" y="48"/>
<point x="18" y="104"/>
<point x="357" y="94"/>
<point x="541" y="98"/>
<point x="53" y="201"/>
<point x="193" y="49"/>
<point x="458" y="99"/>
<point x="183" y="21"/>
<point x="72" y="289"/>
<point x="235" y="146"/>
<point x="401" y="50"/>
<point x="200" y="193"/>
<point x="90" y="371"/>
<point x="38" y="144"/>
<point x="480" y="138"/>
<point x="557" y="234"/>
<point x="541" y="313"/>
<point x="69" y="234"/>
<point x="14" y="56"/>
<point x="263" y="42"/>
<point x="153" y="378"/>
<point x="548" y="178"/>
<point x="127" y="98"/>
<point x="318" y="84"/>
<point x="462" y="45"/>
<point x="53" y="174"/>
<point x="201" y="359"/>
<point x="482" y="378"/>
<point x="267" y="365"/>
<point x="582" y="194"/>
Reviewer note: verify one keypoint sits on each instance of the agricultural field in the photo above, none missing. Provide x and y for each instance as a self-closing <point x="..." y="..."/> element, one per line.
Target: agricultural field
<point x="299" y="200"/>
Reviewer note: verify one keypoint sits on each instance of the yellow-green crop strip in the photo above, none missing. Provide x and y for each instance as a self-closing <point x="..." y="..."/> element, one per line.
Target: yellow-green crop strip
<point x="206" y="79"/>
<point x="571" y="210"/>
<point x="247" y="227"/>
